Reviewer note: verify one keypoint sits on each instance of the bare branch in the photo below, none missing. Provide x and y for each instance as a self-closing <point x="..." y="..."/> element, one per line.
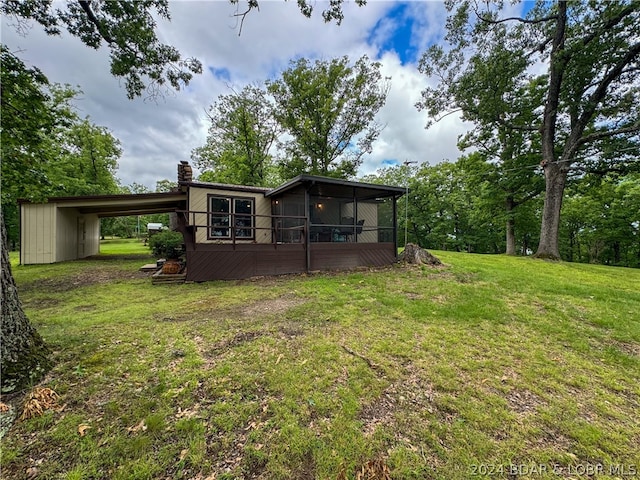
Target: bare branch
<point x="252" y="4"/>
<point x="517" y="19"/>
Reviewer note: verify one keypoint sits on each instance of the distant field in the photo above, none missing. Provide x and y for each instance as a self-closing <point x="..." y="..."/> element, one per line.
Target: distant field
<point x="123" y="246"/>
<point x="492" y="367"/>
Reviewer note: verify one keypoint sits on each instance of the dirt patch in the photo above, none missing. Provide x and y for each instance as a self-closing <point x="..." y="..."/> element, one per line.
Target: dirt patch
<point x="289" y="332"/>
<point x="40" y="303"/>
<point x="210" y="352"/>
<point x="307" y="469"/>
<point x="237" y="340"/>
<point x="632" y="349"/>
<point x="523" y="402"/>
<point x="411" y="392"/>
<point x="81" y="279"/>
<point x="272" y="306"/>
<point x="414" y="296"/>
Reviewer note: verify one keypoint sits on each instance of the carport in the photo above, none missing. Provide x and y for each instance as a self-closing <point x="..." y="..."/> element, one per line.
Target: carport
<point x="68" y="228"/>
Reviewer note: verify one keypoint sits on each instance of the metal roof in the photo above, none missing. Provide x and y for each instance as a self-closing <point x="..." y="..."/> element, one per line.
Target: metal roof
<point x="122" y="204"/>
<point x="334" y="186"/>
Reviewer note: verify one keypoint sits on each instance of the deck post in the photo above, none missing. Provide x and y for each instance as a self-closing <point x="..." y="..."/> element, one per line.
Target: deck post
<point x="395" y="226"/>
<point x="307" y="233"/>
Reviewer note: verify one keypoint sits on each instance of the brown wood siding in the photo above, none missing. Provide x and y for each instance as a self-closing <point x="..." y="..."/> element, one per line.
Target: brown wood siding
<point x="325" y="256"/>
<point x="224" y="262"/>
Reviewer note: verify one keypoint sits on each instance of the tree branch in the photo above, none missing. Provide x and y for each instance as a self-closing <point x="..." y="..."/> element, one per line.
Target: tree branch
<point x="609" y="133"/>
<point x="251" y="5"/>
<point x="574" y="140"/>
<point x="517" y="19"/>
<point x="86" y="6"/>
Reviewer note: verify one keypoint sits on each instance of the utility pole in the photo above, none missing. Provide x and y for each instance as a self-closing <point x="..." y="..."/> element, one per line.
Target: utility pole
<point x="406" y="163"/>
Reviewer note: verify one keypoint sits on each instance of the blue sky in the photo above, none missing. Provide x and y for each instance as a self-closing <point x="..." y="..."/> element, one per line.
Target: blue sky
<point x="157" y="135"/>
<point x="397" y="30"/>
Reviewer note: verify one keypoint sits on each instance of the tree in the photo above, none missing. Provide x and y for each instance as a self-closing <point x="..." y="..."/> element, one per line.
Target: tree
<point x="600" y="222"/>
<point x="328" y="107"/>
<point x="590" y="90"/>
<point x="128" y="30"/>
<point x="23" y="354"/>
<point x="243" y="130"/>
<point x="46" y="151"/>
<point x="486" y="92"/>
<point x="86" y="161"/>
<point x="26" y="120"/>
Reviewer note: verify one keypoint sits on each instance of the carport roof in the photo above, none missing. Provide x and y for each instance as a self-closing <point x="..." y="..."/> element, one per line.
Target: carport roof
<point x="121" y="205"/>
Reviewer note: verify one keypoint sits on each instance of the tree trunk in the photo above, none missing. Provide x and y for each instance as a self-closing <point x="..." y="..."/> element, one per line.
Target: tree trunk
<point x="415" y="254"/>
<point x="511" y="231"/>
<point x="23" y="354"/>
<point x="555" y="179"/>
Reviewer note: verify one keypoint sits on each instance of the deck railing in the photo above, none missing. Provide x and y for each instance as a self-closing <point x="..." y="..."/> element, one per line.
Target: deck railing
<point x="246" y="227"/>
<point x="282" y="229"/>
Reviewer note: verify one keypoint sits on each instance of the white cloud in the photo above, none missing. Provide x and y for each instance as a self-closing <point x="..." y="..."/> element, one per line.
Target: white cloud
<point x="156" y="136"/>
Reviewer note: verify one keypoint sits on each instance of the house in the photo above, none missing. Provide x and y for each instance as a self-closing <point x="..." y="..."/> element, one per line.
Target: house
<point x="230" y="231"/>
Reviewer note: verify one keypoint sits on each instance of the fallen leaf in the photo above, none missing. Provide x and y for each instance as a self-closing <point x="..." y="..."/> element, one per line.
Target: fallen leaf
<point x="4" y="407"/>
<point x="183" y="453"/>
<point x="39" y="400"/>
<point x="138" y="427"/>
<point x="32" y="472"/>
<point x="279" y="358"/>
<point x="82" y="429"/>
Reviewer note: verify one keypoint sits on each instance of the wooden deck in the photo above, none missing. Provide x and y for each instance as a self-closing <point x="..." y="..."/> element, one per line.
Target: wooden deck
<point x="230" y="262"/>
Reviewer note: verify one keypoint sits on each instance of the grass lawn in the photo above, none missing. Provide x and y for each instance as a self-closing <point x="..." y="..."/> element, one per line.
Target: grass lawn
<point x="492" y="367"/>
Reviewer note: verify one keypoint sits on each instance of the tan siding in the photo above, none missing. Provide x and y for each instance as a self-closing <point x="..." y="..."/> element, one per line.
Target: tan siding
<point x="67" y="234"/>
<point x="198" y="203"/>
<point x="72" y="243"/>
<point x="369" y="213"/>
<point x="38" y="227"/>
<point x="92" y="242"/>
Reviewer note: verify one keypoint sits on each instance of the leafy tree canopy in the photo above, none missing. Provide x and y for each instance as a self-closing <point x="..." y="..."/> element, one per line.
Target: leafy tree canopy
<point x="46" y="149"/>
<point x="328" y="108"/>
<point x="243" y="130"/>
<point x="127" y="29"/>
<point x="589" y="91"/>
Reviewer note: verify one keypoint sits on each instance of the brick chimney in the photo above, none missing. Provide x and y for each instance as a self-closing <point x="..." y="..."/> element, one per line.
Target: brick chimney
<point x="185" y="174"/>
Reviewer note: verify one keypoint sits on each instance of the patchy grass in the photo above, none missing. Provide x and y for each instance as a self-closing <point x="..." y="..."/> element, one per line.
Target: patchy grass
<point x="488" y="367"/>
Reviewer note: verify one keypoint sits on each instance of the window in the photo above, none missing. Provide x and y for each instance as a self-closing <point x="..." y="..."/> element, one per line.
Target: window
<point x="226" y="212"/>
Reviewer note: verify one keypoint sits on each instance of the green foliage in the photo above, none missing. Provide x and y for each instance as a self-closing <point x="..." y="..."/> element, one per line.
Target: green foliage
<point x="324" y="105"/>
<point x="27" y="122"/>
<point x="243" y="130"/>
<point x="166" y="244"/>
<point x="601" y="223"/>
<point x="128" y="31"/>
<point x="86" y="163"/>
<point x="166" y="185"/>
<point x="588" y="96"/>
<point x="46" y="149"/>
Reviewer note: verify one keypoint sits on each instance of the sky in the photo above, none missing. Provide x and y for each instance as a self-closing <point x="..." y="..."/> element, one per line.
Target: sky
<point x="156" y="135"/>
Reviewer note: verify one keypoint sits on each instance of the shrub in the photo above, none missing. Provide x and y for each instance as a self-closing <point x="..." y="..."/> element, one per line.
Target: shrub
<point x="167" y="244"/>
